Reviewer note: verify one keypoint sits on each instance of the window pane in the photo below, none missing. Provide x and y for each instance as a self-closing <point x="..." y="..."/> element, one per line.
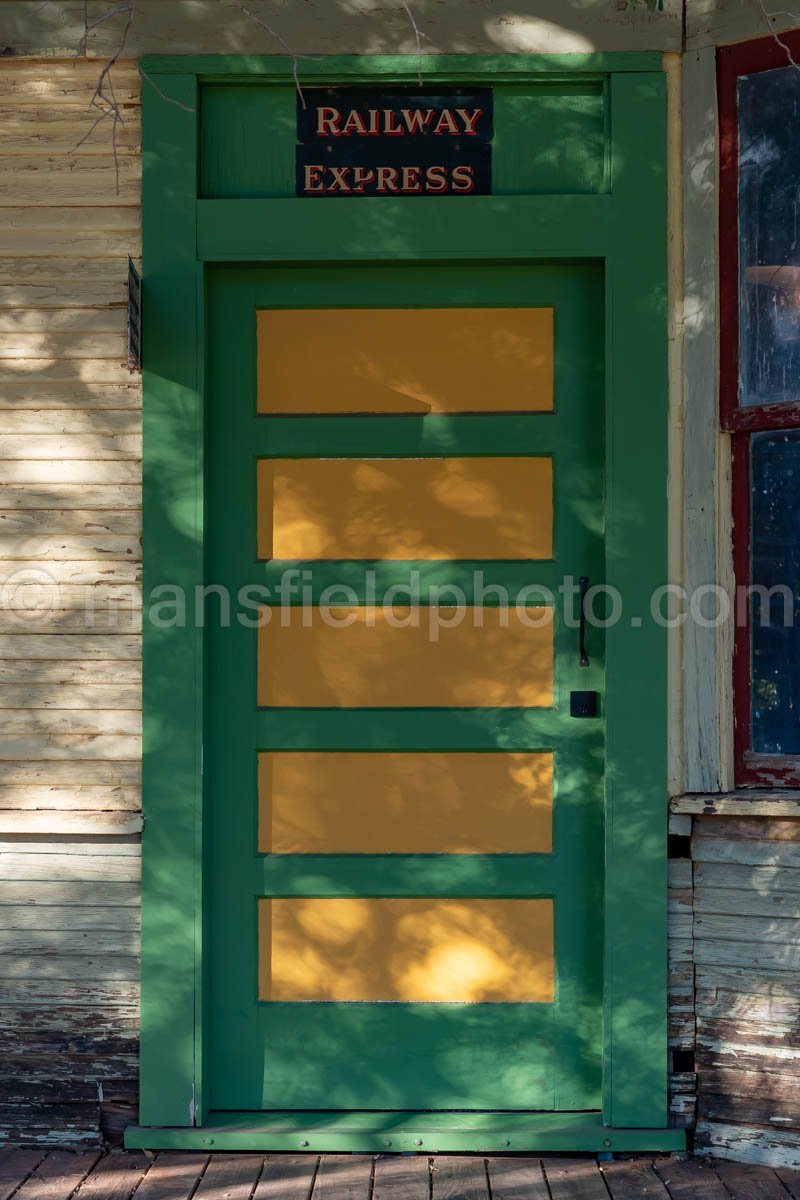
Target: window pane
<point x="769" y="237"/>
<point x="775" y="577"/>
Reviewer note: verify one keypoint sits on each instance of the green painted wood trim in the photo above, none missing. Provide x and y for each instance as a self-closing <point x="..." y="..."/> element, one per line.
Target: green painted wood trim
<point x="347" y="436"/>
<point x="404" y="68"/>
<point x="417" y="1132"/>
<point x="518" y="729"/>
<point x="370" y="579"/>
<point x="635" y="985"/>
<point x="498" y="875"/>
<point x="172" y="525"/>
<point x="512" y="228"/>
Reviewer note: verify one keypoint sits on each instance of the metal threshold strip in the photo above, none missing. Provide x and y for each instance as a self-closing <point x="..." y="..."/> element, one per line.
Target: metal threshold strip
<point x="395" y="1132"/>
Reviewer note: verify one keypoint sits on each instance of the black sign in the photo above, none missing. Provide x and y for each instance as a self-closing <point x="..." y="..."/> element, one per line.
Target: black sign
<point x="400" y="142"/>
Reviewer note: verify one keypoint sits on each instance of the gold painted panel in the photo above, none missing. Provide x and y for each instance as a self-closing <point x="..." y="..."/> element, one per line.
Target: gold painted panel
<point x="404" y="360"/>
<point x="375" y="657"/>
<point x="313" y="802"/>
<point x="406" y="950"/>
<point x="418" y="508"/>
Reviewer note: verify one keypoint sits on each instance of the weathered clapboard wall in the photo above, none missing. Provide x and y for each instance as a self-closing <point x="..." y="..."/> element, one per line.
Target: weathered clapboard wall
<point x="341" y="27"/>
<point x="69" y="671"/>
<point x="744" y="952"/>
<point x="747" y="964"/>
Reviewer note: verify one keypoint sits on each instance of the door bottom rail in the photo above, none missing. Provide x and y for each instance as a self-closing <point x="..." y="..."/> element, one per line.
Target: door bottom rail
<point x="402" y="1132"/>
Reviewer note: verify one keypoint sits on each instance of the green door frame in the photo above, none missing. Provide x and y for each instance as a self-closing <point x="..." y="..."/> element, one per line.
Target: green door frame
<point x="625" y="228"/>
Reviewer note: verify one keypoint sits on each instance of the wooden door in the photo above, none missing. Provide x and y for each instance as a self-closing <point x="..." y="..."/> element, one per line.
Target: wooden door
<point x="405" y="484"/>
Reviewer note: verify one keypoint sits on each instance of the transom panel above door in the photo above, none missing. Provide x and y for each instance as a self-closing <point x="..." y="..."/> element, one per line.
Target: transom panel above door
<point x="404" y="467"/>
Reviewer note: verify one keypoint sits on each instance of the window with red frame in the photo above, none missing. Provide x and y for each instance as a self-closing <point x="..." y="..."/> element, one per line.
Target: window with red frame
<point x="759" y="106"/>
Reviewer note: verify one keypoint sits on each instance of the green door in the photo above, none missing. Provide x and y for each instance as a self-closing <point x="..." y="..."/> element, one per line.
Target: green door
<point x="404" y="486"/>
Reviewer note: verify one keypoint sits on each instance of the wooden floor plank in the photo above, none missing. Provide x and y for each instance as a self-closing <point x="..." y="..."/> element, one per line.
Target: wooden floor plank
<point x="15" y="1167"/>
<point x="459" y="1178"/>
<point x="517" y="1179"/>
<point x="343" y="1177"/>
<point x="64" y="1175"/>
<point x="400" y="1178"/>
<point x="173" y="1176"/>
<point x="633" y="1179"/>
<point x="574" y="1179"/>
<point x="115" y="1177"/>
<point x="57" y="1176"/>
<point x="790" y="1180"/>
<point x="230" y="1177"/>
<point x="746" y="1181"/>
<point x="690" y="1179"/>
<point x="286" y="1177"/>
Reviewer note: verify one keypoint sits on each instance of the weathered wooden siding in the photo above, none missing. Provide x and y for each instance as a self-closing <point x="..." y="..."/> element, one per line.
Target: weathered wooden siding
<point x="342" y="27"/>
<point x="743" y="953"/>
<point x="747" y="963"/>
<point x="69" y="672"/>
<point x="681" y="1020"/>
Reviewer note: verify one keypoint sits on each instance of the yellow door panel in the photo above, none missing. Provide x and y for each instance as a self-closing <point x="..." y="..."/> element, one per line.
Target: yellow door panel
<point x="398" y="360"/>
<point x="314" y="802"/>
<point x="417" y="508"/>
<point x="414" y="951"/>
<point x="369" y="657"/>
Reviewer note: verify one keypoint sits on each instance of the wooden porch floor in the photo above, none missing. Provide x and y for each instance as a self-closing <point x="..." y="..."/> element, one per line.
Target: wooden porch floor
<point x="63" y="1175"/>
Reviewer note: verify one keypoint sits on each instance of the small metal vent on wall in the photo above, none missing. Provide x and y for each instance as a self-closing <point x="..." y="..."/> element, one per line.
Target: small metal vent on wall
<point x="134" y="318"/>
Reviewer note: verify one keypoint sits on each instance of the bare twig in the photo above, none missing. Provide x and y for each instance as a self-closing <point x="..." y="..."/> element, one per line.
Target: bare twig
<point x="419" y="35"/>
<point x="163" y="95"/>
<point x="281" y="41"/>
<point x="104" y="97"/>
<point x="112" y="12"/>
<point x="783" y="45"/>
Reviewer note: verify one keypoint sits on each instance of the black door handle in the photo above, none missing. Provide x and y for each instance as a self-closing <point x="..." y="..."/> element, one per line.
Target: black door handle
<point x="583" y="584"/>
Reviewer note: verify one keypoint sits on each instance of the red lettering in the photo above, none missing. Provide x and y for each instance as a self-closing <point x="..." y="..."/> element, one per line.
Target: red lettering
<point x="411" y="179"/>
<point x="361" y="176"/>
<point x="463" y="179"/>
<point x="339" y="182"/>
<point x="436" y="179"/>
<point x="416" y="120"/>
<point x="354" y="123"/>
<point x="390" y="127"/>
<point x="313" y="179"/>
<point x="446" y="123"/>
<point x="387" y="179"/>
<point x="328" y="121"/>
<point x="470" y="121"/>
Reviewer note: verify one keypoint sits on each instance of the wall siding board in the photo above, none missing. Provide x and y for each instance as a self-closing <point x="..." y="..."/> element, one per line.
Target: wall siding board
<point x="718" y="22"/>
<point x="705" y="651"/>
<point x="68" y="84"/>
<point x="72" y="420"/>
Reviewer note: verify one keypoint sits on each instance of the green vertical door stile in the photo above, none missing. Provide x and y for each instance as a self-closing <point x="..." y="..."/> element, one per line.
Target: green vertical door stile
<point x="635" y="989"/>
<point x="171" y="1087"/>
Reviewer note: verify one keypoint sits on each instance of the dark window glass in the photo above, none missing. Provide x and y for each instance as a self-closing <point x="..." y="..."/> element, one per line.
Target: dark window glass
<point x="769" y="237"/>
<point x="775" y="580"/>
